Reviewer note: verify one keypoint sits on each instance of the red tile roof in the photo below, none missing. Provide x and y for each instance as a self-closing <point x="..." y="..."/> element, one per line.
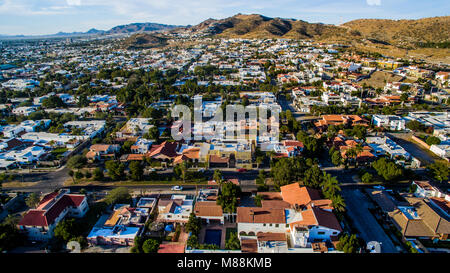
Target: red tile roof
<point x="41" y="217"/>
<point x="260" y="215"/>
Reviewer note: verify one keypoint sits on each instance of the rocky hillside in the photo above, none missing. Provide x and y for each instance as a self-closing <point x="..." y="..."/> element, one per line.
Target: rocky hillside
<point x="404" y="32"/>
<point x="139" y="27"/>
<point x="258" y="26"/>
<point x="388" y="32"/>
<point x="144" y="40"/>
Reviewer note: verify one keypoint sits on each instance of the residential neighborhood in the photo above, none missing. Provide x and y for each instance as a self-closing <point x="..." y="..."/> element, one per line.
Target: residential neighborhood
<point x="216" y="144"/>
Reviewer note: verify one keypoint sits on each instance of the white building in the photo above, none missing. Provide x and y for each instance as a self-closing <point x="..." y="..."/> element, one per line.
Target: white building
<point x="39" y="223"/>
<point x="391" y="122"/>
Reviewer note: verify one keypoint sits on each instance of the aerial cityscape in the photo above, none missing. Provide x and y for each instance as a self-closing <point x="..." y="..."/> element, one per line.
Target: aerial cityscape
<point x="241" y="134"/>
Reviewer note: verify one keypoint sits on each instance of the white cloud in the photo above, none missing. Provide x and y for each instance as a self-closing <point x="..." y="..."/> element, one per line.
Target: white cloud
<point x="373" y="2"/>
<point x="73" y="2"/>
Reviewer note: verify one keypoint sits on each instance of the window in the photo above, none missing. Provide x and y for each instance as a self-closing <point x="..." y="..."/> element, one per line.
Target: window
<point x="264" y="225"/>
<point x="277" y="225"/>
<point x="334" y="233"/>
<point x="321" y="232"/>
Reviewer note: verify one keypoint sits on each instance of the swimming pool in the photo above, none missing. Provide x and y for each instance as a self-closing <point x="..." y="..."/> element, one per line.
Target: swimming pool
<point x="213" y="236"/>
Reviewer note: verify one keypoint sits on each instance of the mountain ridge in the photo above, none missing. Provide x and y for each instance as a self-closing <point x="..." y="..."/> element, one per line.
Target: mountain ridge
<point x="404" y="32"/>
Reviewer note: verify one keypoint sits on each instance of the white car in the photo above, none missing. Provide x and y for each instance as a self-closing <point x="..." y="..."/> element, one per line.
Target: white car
<point x="177" y="188"/>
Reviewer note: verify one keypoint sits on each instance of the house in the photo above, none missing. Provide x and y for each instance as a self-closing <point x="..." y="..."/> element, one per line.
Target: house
<point x="190" y="155"/>
<point x="209" y="212"/>
<point x="296" y="214"/>
<point x="177" y="208"/>
<point x="442" y="150"/>
<point x="38" y="224"/>
<point x="102" y="151"/>
<point x="391" y="122"/>
<point x="303" y="196"/>
<point x="351" y="120"/>
<point x="426" y="189"/>
<point x="166" y="151"/>
<point x="142" y="146"/>
<point x="135" y="127"/>
<point x="416" y="217"/>
<point x="120" y="227"/>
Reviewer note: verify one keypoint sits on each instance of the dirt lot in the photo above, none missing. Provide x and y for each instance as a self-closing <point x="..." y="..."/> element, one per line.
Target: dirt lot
<point x="380" y="78"/>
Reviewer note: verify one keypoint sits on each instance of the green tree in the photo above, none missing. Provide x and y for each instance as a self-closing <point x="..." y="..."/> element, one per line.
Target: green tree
<point x="233" y="242"/>
<point x="136" y="171"/>
<point x="53" y="102"/>
<point x="76" y="162"/>
<point x="181" y="170"/>
<point x="313" y="177"/>
<point x="118" y="195"/>
<point x="338" y="203"/>
<point x="10" y="237"/>
<point x="439" y="171"/>
<point x="153" y="133"/>
<point x="98" y="174"/>
<point x="217" y="176"/>
<point x="115" y="169"/>
<point x="194" y="224"/>
<point x="387" y="169"/>
<point x="432" y="140"/>
<point x="79" y="175"/>
<point x="287" y="170"/>
<point x="312" y="145"/>
<point x="67" y="230"/>
<point x="348" y="244"/>
<point x="32" y="200"/>
<point x="228" y="197"/>
<point x="336" y="158"/>
<point x="366" y="178"/>
<point x="257" y="200"/>
<point x="150" y="246"/>
<point x="330" y="185"/>
<point x="192" y="242"/>
<point x="415" y="126"/>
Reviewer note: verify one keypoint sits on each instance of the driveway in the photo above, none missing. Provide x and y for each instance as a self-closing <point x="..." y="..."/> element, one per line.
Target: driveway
<point x="370" y="230"/>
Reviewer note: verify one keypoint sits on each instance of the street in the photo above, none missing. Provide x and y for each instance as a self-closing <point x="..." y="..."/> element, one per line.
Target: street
<point x="370" y="230"/>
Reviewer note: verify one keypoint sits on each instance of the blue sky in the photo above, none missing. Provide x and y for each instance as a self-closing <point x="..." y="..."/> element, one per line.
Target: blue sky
<point x="31" y="17"/>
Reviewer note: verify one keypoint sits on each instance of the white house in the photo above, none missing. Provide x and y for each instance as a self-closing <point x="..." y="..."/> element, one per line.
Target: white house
<point x="391" y="122"/>
<point x="441" y="150"/>
<point x="39" y="223"/>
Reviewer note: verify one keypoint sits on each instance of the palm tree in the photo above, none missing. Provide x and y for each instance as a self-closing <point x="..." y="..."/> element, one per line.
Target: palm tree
<point x="351" y="153"/>
<point x="330" y="185"/>
<point x="358" y="150"/>
<point x="183" y="168"/>
<point x="338" y="203"/>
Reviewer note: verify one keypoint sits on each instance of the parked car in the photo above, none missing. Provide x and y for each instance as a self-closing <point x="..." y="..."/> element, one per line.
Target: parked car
<point x="242" y="170"/>
<point x="379" y="187"/>
<point x="177" y="188"/>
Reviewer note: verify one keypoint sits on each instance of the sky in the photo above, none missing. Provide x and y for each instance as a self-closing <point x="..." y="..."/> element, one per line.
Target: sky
<point x="38" y="17"/>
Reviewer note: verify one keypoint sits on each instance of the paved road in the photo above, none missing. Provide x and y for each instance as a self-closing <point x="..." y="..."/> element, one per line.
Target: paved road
<point x="413" y="148"/>
<point x="370" y="230"/>
<point x="44" y="182"/>
<point x="47" y="182"/>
